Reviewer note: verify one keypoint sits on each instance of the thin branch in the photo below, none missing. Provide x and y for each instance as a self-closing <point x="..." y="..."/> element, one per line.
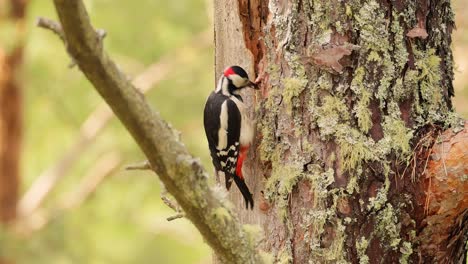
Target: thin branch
<point x="183" y="175"/>
<point x="145" y="165"/>
<point x="171" y="204"/>
<point x="174" y="217"/>
<point x="52" y="26"/>
<point x="97" y="121"/>
<point x="57" y="29"/>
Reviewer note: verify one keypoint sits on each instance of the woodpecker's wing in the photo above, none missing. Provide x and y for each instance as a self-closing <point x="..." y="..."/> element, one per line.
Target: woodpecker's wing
<point x="222" y="121"/>
<point x="211" y="122"/>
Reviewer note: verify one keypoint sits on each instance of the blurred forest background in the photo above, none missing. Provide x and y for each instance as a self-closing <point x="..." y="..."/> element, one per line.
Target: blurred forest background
<point x="124" y="220"/>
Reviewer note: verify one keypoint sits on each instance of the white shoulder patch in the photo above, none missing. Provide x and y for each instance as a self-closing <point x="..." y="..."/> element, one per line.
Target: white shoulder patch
<point x="223" y="86"/>
<point x="219" y="87"/>
<point x="223" y="127"/>
<point x="247" y="125"/>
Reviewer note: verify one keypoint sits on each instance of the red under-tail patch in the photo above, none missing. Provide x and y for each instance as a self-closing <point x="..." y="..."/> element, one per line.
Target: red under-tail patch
<point x="240" y="160"/>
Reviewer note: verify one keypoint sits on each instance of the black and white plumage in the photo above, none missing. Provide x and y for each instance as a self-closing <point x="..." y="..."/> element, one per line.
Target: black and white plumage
<point x="228" y="129"/>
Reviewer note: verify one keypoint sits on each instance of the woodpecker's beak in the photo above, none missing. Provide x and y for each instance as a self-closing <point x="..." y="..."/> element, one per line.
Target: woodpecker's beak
<point x="253" y="85"/>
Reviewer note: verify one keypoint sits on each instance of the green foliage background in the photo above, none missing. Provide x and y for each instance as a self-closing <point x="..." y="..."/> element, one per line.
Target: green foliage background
<point x="125" y="221"/>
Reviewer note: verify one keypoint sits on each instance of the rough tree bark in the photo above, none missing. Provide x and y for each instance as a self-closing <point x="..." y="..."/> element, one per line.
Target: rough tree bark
<point x="12" y="23"/>
<point x="350" y="163"/>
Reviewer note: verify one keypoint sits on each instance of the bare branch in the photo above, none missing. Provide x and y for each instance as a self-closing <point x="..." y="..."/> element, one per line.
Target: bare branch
<point x="51" y="25"/>
<point x="169" y="202"/>
<point x="57" y="29"/>
<point x="140" y="166"/>
<point x="183" y="176"/>
<point x="174" y="217"/>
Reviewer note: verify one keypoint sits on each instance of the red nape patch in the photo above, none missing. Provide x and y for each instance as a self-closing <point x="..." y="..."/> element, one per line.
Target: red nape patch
<point x="240" y="161"/>
<point x="228" y="72"/>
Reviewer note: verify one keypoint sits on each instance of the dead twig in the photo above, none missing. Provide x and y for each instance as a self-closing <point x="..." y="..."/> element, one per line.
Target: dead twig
<point x="174" y="217"/>
<point x="145" y="165"/>
<point x="57" y="29"/>
<point x="171" y="204"/>
<point x="52" y="26"/>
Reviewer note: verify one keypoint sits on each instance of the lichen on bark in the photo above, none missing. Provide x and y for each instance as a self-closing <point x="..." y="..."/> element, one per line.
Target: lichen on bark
<point x="358" y="126"/>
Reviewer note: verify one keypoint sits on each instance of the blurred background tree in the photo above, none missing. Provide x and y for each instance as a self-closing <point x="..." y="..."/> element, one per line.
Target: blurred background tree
<point x="12" y="23"/>
<point x="124" y="221"/>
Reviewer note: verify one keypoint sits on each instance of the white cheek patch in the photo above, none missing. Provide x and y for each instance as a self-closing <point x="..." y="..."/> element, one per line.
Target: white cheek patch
<point x="222" y="132"/>
<point x="237" y="80"/>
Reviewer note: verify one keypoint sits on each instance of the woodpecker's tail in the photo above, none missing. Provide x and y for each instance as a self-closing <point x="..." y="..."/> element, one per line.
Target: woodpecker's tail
<point x="228" y="180"/>
<point x="244" y="190"/>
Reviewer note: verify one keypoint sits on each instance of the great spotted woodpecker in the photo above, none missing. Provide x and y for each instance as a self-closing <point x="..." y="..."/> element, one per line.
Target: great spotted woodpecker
<point x="228" y="129"/>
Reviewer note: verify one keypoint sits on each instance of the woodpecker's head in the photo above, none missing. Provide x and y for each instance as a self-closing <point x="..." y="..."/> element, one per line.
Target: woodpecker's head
<point x="238" y="78"/>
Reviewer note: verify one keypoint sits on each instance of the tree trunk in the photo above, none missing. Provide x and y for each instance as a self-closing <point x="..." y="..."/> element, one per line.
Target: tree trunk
<point x="355" y="95"/>
<point x="12" y="23"/>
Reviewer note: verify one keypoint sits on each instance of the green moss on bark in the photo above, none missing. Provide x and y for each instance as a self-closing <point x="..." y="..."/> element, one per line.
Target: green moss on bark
<point x="406" y="250"/>
<point x="342" y="109"/>
<point x="292" y="89"/>
<point x="388" y="227"/>
<point x="280" y="184"/>
<point x="361" y="247"/>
